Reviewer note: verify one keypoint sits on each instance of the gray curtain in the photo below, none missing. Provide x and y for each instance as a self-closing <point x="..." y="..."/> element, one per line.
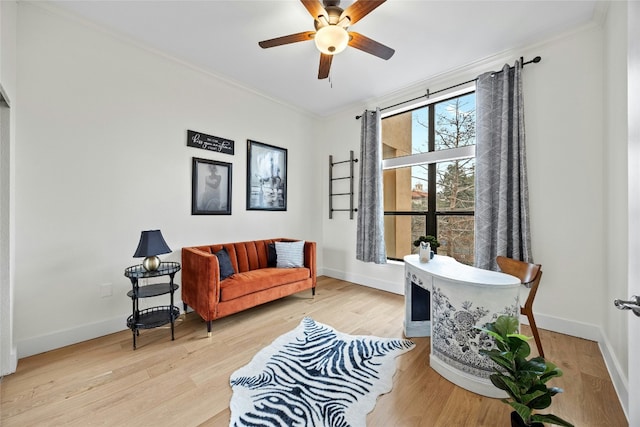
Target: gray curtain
<point x="502" y="196"/>
<point x="370" y="233"/>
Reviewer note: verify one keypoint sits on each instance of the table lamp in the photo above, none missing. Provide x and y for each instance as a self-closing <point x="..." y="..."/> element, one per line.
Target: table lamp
<point x="151" y="244"/>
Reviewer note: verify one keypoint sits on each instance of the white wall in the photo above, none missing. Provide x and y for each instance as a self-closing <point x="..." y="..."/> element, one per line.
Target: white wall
<point x="563" y="115"/>
<point x="102" y="156"/>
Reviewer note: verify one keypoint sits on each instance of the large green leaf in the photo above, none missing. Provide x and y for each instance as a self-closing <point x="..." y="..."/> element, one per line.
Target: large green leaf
<point x="542" y="402"/>
<point x="505" y="383"/>
<point x="502" y="360"/>
<point x="530" y="367"/>
<point x="518" y="347"/>
<point x="529" y="396"/>
<point x="506" y="325"/>
<point x="523" y="411"/>
<point x="550" y="419"/>
<point x="552" y="371"/>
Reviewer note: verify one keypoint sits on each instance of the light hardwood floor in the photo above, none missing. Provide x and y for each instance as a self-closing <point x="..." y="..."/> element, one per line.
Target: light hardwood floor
<point x="186" y="382"/>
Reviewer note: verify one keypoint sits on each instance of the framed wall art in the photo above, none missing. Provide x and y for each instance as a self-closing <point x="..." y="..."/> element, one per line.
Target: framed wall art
<point x="209" y="142"/>
<point x="210" y="187"/>
<point x="266" y="177"/>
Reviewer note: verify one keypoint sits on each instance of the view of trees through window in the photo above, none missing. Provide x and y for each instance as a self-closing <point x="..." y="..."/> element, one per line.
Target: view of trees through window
<point x="429" y="189"/>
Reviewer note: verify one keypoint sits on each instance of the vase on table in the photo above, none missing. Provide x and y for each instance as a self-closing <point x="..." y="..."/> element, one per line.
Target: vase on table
<point x="425" y="252"/>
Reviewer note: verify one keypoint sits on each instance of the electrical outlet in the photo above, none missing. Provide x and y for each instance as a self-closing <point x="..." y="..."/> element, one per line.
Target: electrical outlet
<point x="106" y="290"/>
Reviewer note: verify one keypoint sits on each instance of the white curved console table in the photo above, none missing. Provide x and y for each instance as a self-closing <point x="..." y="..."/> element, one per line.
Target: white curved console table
<point x="461" y="298"/>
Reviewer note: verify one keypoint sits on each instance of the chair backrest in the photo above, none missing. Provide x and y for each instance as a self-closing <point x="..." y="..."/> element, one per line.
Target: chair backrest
<point x="529" y="275"/>
<point x="526" y="272"/>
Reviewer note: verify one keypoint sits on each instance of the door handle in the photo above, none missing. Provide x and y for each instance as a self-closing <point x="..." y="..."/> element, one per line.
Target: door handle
<point x="633" y="304"/>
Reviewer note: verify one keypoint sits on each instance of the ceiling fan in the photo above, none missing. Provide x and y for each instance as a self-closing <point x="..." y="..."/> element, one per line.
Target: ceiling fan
<point x="331" y="35"/>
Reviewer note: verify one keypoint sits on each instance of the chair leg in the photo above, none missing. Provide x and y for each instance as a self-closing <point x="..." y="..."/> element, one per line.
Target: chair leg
<point x="534" y="330"/>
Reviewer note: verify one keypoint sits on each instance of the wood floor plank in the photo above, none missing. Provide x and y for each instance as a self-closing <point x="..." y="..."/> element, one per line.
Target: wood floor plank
<point x="186" y="381"/>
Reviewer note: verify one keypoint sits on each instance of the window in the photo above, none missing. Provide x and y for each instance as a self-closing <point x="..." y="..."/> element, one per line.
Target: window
<point x="429" y="177"/>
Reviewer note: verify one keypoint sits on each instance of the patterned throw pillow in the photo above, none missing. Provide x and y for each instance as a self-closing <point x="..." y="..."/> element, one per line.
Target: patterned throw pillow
<point x="226" y="269"/>
<point x="290" y="254"/>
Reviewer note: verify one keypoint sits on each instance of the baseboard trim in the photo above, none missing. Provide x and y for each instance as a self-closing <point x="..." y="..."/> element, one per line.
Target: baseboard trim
<point x="42" y="343"/>
<point x="588" y="331"/>
<point x="620" y="382"/>
<point x="396" y="288"/>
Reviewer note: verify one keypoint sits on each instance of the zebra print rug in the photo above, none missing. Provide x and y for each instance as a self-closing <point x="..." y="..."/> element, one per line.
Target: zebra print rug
<point x="314" y="376"/>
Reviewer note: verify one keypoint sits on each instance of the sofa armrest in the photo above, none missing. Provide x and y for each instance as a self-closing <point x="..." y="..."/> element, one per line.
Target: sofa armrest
<point x="200" y="281"/>
<point x="310" y="259"/>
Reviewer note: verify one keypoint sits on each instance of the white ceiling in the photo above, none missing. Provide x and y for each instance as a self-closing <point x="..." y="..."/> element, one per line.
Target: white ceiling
<point x="430" y="37"/>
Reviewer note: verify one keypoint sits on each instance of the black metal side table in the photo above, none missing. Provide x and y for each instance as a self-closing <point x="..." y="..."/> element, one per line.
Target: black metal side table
<point x="155" y="316"/>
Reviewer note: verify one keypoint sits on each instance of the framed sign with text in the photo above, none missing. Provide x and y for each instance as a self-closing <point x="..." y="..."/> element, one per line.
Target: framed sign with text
<point x="209" y="142"/>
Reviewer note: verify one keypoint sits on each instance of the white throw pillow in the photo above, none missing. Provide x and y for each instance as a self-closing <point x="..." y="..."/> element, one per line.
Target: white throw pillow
<point x="290" y="254"/>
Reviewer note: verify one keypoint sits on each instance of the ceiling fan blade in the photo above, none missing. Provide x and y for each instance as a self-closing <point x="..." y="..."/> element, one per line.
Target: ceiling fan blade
<point x="365" y="44"/>
<point x="325" y="66"/>
<point x="315" y="8"/>
<point x="291" y="38"/>
<point x="359" y="9"/>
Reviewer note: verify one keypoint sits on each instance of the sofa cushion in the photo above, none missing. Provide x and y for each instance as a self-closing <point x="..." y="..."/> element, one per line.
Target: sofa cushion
<point x="272" y="255"/>
<point x="226" y="269"/>
<point x="241" y="284"/>
<point x="290" y="254"/>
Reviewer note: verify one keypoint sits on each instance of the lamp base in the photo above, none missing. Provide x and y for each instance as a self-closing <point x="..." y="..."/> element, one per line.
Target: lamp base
<point x="151" y="263"/>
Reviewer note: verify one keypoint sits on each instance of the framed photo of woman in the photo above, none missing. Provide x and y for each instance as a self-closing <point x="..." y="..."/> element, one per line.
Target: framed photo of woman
<point x="210" y="187"/>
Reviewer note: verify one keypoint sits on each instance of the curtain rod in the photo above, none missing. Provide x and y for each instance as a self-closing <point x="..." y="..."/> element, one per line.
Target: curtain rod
<point x="428" y="94"/>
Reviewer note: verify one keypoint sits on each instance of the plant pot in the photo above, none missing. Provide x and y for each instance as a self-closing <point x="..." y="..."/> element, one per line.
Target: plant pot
<point x="516" y="421"/>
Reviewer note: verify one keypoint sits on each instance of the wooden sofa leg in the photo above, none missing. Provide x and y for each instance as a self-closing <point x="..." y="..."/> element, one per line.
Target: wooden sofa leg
<point x="184" y="305"/>
<point x="209" y="328"/>
<point x="313" y="292"/>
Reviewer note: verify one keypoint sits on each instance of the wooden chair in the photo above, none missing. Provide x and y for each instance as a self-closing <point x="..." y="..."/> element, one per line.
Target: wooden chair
<point x="529" y="275"/>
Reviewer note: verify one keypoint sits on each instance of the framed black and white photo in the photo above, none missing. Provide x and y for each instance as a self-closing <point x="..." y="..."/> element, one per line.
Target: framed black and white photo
<point x="210" y="187"/>
<point x="266" y="177"/>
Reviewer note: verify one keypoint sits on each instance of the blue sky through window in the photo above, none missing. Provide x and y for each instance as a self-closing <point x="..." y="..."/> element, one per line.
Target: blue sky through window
<point x="420" y="130"/>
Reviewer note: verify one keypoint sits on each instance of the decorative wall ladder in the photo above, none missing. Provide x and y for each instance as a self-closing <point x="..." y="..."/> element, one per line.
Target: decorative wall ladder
<point x="350" y="193"/>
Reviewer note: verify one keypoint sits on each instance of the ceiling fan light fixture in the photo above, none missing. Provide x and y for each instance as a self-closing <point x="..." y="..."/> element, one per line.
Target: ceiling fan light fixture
<point x="331" y="39"/>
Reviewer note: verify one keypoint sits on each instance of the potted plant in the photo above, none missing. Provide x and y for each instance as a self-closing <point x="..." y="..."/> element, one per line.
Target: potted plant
<point x="433" y="242"/>
<point x="523" y="380"/>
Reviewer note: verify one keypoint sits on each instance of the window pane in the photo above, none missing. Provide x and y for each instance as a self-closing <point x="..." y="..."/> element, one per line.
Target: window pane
<point x="456" y="185"/>
<point x="455" y="234"/>
<point x="400" y="231"/>
<point x="405" y="189"/>
<point x="456" y="122"/>
<point x="405" y="134"/>
<point x="416" y="205"/>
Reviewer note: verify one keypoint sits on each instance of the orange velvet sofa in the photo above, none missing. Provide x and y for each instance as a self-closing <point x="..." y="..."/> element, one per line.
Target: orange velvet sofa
<point x="254" y="282"/>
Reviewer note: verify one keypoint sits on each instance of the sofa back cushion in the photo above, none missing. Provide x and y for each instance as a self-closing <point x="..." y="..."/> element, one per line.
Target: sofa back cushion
<point x="245" y="256"/>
